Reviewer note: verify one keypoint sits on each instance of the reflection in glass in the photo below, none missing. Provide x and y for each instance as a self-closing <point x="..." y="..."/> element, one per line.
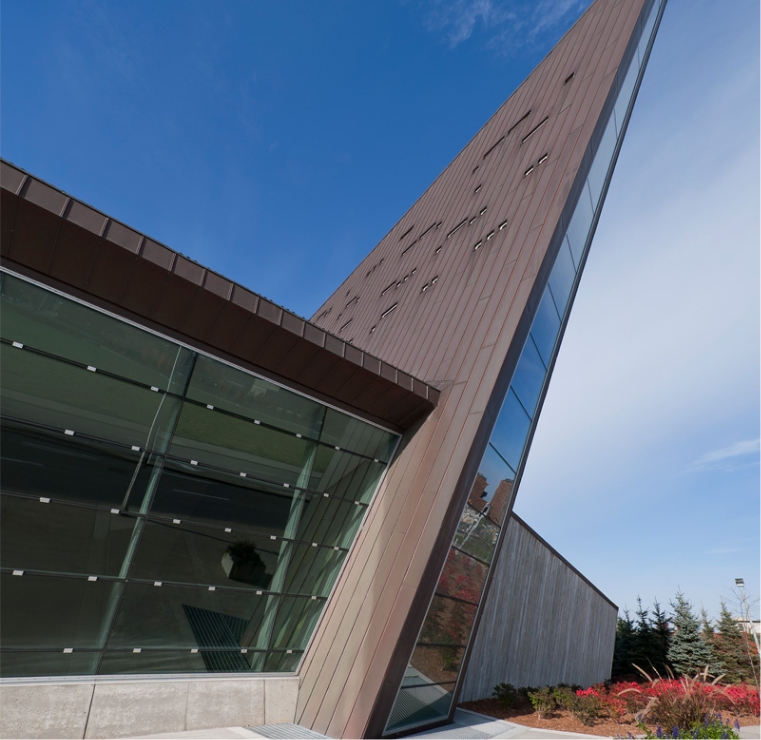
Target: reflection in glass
<point x="529" y="377"/>
<point x="53" y="393"/>
<point x="463" y="577"/>
<point x="562" y="277"/>
<point x="38" y="462"/>
<point x="578" y="229"/>
<point x="544" y="330"/>
<point x="39" y="318"/>
<point x="62" y="539"/>
<point x="602" y="162"/>
<point x="419" y="705"/>
<point x="448" y="622"/>
<point x="241" y="393"/>
<point x="51" y="612"/>
<point x="437" y="663"/>
<point x="169" y="616"/>
<point x="511" y="430"/>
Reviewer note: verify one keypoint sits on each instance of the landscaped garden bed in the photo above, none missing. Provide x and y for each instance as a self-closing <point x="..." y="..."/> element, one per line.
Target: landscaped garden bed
<point x="624" y="708"/>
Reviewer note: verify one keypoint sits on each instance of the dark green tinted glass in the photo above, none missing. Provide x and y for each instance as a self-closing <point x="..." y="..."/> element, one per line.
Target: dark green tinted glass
<point x="44" y="320"/>
<point x="169" y="616"/>
<point x="50" y="612"/>
<point x="234" y="390"/>
<point x="43" y="663"/>
<point x="62" y="539"/>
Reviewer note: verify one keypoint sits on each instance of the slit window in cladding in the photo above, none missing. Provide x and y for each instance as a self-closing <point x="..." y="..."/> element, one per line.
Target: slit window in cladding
<point x="353" y="300"/>
<point x="345" y="325"/>
<point x="478" y="188"/>
<point x="569" y="78"/>
<point x="493" y="147"/>
<point x="534" y="130"/>
<point x="407" y="232"/>
<point x="457" y="228"/>
<point x="519" y="122"/>
<point x="388" y="287"/>
<point x="388" y="311"/>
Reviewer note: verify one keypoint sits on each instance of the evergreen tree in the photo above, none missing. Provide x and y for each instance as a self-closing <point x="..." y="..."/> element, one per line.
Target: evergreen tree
<point x="647" y="653"/>
<point x="688" y="652"/>
<point x="661" y="638"/>
<point x="715" y="667"/>
<point x="624" y="650"/>
<point x="732" y="646"/>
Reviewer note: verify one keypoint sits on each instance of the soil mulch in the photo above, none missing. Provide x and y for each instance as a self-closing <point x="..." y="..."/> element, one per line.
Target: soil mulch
<point x="564" y="721"/>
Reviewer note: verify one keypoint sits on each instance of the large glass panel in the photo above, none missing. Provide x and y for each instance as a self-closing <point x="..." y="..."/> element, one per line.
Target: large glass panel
<point x="44" y="663"/>
<point x="222" y="499"/>
<point x="448" y="622"/>
<point x="329" y="521"/>
<point x="625" y="93"/>
<point x="562" y="277"/>
<point x="231" y="389"/>
<point x="528" y="377"/>
<point x="127" y="662"/>
<point x="237" y="445"/>
<point x="344" y="474"/>
<point x="313" y="570"/>
<point x="646" y="31"/>
<point x="511" y="430"/>
<point x="546" y="326"/>
<point x="463" y="577"/>
<point x="437" y="663"/>
<point x="49" y="612"/>
<point x="39" y="462"/>
<point x="353" y="434"/>
<point x="62" y="539"/>
<point x="44" y="320"/>
<point x="419" y="705"/>
<point x="53" y="393"/>
<point x="602" y="161"/>
<point x="578" y="228"/>
<point x="296" y="619"/>
<point x="192" y="554"/>
<point x="168" y="616"/>
<point x="283" y="661"/>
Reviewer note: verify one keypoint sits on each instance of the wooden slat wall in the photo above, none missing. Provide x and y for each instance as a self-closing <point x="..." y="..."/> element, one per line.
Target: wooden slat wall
<point x="543" y="623"/>
<point x="456" y="336"/>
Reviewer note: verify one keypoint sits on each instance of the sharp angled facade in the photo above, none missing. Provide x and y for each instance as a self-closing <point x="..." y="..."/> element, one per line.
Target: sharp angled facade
<point x="217" y="513"/>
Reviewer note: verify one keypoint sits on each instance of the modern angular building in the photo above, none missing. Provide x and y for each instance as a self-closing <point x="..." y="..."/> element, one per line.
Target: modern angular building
<point x="217" y="513"/>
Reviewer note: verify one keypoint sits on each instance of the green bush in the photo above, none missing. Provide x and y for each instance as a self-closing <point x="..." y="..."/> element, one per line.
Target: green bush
<point x="543" y="701"/>
<point x="507" y="694"/>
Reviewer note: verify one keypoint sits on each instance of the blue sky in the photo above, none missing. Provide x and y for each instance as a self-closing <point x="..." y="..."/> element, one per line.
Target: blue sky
<point x="277" y="142"/>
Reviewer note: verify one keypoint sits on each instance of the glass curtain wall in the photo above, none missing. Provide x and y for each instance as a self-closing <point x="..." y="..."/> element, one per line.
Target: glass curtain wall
<point x="162" y="511"/>
<point x="429" y="682"/>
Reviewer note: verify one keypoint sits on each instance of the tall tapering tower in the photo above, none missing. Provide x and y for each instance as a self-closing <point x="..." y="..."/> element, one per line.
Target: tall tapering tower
<point x="470" y="292"/>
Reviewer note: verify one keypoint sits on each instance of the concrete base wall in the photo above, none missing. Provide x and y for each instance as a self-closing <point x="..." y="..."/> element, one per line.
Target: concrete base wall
<point x="543" y="622"/>
<point x="123" y="708"/>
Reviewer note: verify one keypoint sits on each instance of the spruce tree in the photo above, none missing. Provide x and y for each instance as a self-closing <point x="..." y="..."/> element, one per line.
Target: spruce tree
<point x="661" y="638"/>
<point x="647" y="654"/>
<point x="732" y="646"/>
<point x="624" y="650"/>
<point x="715" y="667"/>
<point x="688" y="652"/>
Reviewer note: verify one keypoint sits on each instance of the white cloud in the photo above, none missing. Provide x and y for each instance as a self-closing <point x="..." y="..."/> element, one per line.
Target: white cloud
<point x="507" y="24"/>
<point x="738" y="449"/>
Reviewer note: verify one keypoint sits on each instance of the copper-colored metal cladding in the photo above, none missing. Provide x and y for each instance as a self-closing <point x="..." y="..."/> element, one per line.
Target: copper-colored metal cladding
<point x="64" y="243"/>
<point x="448" y="295"/>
